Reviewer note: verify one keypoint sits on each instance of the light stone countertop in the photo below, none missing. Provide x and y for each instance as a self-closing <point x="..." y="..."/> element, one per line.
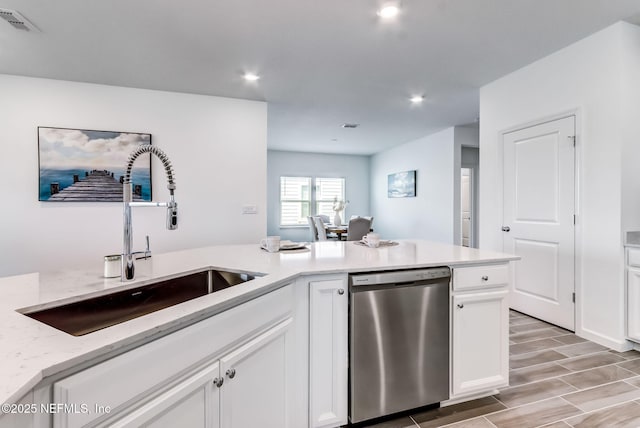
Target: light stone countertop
<point x="31" y="351"/>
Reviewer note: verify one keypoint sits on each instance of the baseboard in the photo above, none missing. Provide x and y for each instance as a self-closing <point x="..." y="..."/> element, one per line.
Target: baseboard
<point x="469" y="397"/>
<point x="609" y="342"/>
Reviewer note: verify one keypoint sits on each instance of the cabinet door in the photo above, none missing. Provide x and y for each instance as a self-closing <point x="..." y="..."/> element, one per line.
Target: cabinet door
<point x="328" y="358"/>
<point x="257" y="381"/>
<point x="194" y="402"/>
<point x="633" y="304"/>
<point x="480" y="336"/>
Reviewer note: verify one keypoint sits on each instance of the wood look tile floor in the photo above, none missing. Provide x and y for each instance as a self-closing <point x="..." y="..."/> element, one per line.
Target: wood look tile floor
<point x="557" y="380"/>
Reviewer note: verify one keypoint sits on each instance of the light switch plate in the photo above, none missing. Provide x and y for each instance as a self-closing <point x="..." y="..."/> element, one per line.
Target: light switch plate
<point x="249" y="209"/>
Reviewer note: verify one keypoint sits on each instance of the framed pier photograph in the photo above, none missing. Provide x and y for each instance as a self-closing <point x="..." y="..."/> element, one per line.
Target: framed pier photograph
<point x="401" y="184"/>
<point x="80" y="165"/>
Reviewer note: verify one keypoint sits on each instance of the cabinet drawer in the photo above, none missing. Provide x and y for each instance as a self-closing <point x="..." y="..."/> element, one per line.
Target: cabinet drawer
<point x="633" y="257"/>
<point x="472" y="277"/>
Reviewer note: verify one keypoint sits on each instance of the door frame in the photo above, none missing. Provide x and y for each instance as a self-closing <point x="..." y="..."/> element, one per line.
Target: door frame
<point x="473" y="182"/>
<point x="578" y="171"/>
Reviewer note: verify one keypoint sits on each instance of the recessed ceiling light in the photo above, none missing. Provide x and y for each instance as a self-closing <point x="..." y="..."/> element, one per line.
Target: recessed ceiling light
<point x="251" y="77"/>
<point x="350" y="125"/>
<point x="388" y="11"/>
<point x="17" y="21"/>
<point x="417" y="99"/>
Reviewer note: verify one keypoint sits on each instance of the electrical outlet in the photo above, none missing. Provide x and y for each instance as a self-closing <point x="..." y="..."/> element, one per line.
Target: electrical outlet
<point x="249" y="209"/>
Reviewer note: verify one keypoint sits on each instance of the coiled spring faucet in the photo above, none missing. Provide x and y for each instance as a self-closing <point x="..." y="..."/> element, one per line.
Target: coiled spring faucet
<point x="128" y="268"/>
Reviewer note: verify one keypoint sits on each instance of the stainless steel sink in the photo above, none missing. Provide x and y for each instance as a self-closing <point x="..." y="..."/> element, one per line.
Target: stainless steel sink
<point x="86" y="316"/>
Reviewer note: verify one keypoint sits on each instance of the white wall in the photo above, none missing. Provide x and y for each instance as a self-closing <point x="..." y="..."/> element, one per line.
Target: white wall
<point x="430" y="215"/>
<point x="630" y="112"/>
<point x="217" y="147"/>
<point x="587" y="77"/>
<point x="468" y="135"/>
<point x="354" y="169"/>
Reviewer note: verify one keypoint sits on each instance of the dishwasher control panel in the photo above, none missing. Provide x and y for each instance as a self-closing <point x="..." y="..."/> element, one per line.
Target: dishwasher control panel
<point x="399" y="276"/>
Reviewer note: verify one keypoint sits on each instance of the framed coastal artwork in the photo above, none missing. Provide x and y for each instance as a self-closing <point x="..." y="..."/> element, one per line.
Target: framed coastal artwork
<point x="401" y="184"/>
<point x="81" y="165"/>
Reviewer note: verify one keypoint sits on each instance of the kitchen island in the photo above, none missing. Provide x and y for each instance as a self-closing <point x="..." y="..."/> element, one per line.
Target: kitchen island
<point x="36" y="357"/>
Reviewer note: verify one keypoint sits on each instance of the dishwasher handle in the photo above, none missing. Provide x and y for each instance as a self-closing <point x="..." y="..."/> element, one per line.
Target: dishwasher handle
<point x="388" y="287"/>
<point x="408" y="276"/>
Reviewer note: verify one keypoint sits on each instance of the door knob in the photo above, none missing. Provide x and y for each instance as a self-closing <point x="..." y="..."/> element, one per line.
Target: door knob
<point x="506" y="228"/>
<point x="231" y="373"/>
<point x="218" y="381"/>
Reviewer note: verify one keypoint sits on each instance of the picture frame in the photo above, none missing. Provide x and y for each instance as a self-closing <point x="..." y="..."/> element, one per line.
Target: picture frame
<point x="81" y="165"/>
<point x="401" y="184"/>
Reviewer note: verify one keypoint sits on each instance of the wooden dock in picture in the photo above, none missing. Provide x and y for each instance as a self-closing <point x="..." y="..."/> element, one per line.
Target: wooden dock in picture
<point x="95" y="186"/>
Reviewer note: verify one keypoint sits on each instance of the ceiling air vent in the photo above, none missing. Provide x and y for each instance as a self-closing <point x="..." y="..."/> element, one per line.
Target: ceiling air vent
<point x="350" y="125"/>
<point x="16" y="20"/>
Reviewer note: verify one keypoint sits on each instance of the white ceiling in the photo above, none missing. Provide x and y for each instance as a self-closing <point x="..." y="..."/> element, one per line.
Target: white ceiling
<point x="322" y="62"/>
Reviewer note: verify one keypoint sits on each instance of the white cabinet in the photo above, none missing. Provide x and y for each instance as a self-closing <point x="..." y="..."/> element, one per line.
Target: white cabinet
<point x="257" y="382"/>
<point x="250" y="386"/>
<point x="156" y="383"/>
<point x="633" y="294"/>
<point x="480" y="339"/>
<point x="633" y="304"/>
<point x="480" y="277"/>
<point x="194" y="402"/>
<point x="328" y="358"/>
<point x="27" y="413"/>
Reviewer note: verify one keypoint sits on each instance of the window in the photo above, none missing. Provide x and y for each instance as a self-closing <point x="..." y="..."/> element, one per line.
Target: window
<point x="295" y="200"/>
<point x="327" y="191"/>
<point x="304" y="196"/>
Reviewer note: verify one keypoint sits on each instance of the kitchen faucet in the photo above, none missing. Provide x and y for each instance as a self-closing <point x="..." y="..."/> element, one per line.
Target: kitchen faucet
<point x="128" y="268"/>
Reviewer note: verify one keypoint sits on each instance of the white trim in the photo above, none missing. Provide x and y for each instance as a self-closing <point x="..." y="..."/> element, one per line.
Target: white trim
<point x="468" y="397"/>
<point x="609" y="342"/>
<point x="540" y="121"/>
<point x="473" y="172"/>
<point x="577" y="237"/>
<point x="578" y="173"/>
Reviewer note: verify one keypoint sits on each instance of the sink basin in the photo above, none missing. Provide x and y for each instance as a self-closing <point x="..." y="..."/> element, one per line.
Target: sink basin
<point x="86" y="316"/>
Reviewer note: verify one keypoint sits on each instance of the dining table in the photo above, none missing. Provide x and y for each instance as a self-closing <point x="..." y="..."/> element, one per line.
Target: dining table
<point x="339" y="230"/>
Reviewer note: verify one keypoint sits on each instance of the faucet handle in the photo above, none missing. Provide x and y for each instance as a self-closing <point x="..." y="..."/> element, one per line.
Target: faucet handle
<point x="147" y="252"/>
<point x="172" y="215"/>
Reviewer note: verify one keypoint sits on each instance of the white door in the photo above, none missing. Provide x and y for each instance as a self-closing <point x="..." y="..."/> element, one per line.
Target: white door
<point x="328" y="358"/>
<point x="538" y="222"/>
<point x="466" y="206"/>
<point x="194" y="402"/>
<point x="480" y="349"/>
<point x="257" y="379"/>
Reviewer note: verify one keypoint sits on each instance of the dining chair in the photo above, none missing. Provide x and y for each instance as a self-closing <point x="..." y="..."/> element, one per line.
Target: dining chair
<point x="325" y="218"/>
<point x="312" y="228"/>
<point x="370" y="218"/>
<point x="320" y="230"/>
<point x="358" y="227"/>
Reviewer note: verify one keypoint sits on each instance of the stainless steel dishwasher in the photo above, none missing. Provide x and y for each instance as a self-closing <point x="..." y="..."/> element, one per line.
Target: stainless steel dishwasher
<point x="398" y="341"/>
